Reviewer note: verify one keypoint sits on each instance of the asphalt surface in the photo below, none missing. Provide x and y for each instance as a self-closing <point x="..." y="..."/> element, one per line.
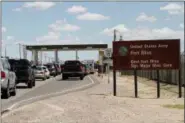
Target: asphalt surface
<point x="49" y="86"/>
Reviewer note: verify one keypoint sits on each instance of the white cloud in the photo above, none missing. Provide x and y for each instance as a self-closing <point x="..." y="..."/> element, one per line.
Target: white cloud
<point x="3" y="29"/>
<point x="50" y="37"/>
<point x="182" y="25"/>
<point x="92" y="16"/>
<point x="167" y="18"/>
<point x="63" y="25"/>
<point x="10" y="38"/>
<point x="101" y="42"/>
<point x="17" y="9"/>
<point x="39" y="5"/>
<point x="109" y="31"/>
<point x="145" y="33"/>
<point x="36" y="5"/>
<point x="77" y="9"/>
<point x="173" y="8"/>
<point x="144" y="17"/>
<point x="54" y="34"/>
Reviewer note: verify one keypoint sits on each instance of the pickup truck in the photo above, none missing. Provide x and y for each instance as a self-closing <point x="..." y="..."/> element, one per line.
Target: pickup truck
<point x="24" y="71"/>
<point x="73" y="68"/>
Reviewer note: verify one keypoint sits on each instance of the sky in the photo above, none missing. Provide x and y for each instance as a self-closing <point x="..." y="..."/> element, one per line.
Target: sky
<point x="87" y="23"/>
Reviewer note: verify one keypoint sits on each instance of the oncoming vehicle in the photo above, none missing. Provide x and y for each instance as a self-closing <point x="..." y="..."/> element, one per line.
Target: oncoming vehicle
<point x="8" y="79"/>
<point x="73" y="68"/>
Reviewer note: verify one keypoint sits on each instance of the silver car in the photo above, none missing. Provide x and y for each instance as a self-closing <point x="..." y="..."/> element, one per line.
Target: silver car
<point x="40" y="73"/>
<point x="8" y="79"/>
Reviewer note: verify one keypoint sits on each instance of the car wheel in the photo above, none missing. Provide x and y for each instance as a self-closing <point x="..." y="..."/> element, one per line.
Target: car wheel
<point x="64" y="77"/>
<point x="6" y="93"/>
<point x="33" y="82"/>
<point x="30" y="84"/>
<point x="44" y="78"/>
<point x="14" y="92"/>
<point x="81" y="77"/>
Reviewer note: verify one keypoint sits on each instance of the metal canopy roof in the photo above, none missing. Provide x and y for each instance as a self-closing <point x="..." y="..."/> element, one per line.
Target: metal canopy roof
<point x="67" y="47"/>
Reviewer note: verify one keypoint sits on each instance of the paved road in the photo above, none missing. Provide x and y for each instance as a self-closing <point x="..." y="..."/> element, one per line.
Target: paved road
<point x="52" y="85"/>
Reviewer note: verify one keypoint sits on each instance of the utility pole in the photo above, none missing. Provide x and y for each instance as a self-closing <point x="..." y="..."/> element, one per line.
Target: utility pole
<point x="5" y="51"/>
<point x="120" y="38"/>
<point x="20" y="50"/>
<point x="114" y="71"/>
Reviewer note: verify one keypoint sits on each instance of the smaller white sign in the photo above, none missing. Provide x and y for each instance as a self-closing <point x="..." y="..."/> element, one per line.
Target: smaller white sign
<point x="108" y="52"/>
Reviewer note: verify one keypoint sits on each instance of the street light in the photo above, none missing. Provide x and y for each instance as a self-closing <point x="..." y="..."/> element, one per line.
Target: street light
<point x="20" y="44"/>
<point x="5" y="50"/>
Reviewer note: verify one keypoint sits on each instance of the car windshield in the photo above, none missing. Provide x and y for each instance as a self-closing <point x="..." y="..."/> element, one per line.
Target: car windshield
<point x="19" y="62"/>
<point x="72" y="63"/>
<point x="48" y="66"/>
<point x="38" y="68"/>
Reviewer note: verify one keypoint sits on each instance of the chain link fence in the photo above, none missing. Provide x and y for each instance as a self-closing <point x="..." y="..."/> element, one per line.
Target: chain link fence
<point x="166" y="76"/>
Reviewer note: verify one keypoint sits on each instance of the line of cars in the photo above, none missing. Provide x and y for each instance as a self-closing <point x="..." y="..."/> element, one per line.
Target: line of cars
<point x="15" y="71"/>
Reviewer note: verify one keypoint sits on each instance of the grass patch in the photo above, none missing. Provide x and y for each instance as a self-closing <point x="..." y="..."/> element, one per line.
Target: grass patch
<point x="177" y="106"/>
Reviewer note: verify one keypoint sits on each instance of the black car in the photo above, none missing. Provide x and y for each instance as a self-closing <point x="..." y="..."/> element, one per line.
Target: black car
<point x="73" y="68"/>
<point x="24" y="71"/>
<point x="52" y="69"/>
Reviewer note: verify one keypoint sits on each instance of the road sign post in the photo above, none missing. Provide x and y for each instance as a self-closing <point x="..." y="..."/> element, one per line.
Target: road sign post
<point x="147" y="55"/>
<point x="108" y="54"/>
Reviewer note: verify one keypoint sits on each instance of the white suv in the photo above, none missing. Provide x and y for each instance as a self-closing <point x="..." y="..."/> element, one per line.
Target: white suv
<point x="8" y="79"/>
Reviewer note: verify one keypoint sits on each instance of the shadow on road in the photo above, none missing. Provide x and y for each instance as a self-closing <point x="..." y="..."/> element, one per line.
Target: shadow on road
<point x="70" y="79"/>
<point x="22" y="87"/>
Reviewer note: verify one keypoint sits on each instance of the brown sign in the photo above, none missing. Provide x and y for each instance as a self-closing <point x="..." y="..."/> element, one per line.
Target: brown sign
<point x="146" y="54"/>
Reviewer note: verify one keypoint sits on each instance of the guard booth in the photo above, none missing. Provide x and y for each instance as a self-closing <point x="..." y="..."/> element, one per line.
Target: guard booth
<point x="56" y="48"/>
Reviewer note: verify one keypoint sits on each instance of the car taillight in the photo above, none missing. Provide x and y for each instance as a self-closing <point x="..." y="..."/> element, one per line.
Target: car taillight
<point x="3" y="75"/>
<point x="81" y="68"/>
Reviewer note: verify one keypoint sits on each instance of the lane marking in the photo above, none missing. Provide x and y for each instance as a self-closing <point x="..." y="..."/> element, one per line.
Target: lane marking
<point x="45" y="95"/>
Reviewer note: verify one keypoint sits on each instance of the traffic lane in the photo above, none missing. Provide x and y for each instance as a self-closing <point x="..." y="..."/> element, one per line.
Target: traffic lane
<point x="22" y="89"/>
<point x="57" y="85"/>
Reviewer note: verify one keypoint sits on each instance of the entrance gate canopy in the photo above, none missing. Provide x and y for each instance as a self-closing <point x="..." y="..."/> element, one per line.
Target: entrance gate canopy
<point x="67" y="47"/>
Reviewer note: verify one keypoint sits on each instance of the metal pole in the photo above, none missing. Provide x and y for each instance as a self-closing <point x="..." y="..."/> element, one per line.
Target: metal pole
<point x="5" y="51"/>
<point x="158" y="84"/>
<point x="20" y="50"/>
<point x="135" y="82"/>
<point x="114" y="71"/>
<point x="76" y="55"/>
<point x="108" y="73"/>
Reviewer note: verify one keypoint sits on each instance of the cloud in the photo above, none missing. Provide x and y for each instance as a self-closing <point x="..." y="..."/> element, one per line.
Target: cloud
<point x="3" y="29"/>
<point x="144" y="17"/>
<point x="92" y="17"/>
<point x="173" y="8"/>
<point x="36" y="5"/>
<point x="101" y="42"/>
<point x="181" y="25"/>
<point x="76" y="9"/>
<point x="167" y="18"/>
<point x="63" y="25"/>
<point x="109" y="31"/>
<point x="145" y="33"/>
<point x="17" y="9"/>
<point x="10" y="38"/>
<point x="54" y="34"/>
